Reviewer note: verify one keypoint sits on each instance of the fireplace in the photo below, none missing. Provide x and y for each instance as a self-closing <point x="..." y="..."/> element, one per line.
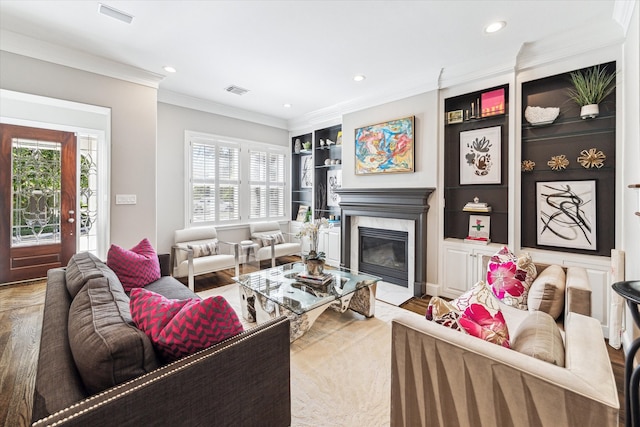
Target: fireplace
<point x="398" y="209"/>
<point x="384" y="253"/>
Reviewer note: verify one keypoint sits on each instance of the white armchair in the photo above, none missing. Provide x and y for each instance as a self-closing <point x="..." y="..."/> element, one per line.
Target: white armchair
<point x="198" y="251"/>
<point x="271" y="241"/>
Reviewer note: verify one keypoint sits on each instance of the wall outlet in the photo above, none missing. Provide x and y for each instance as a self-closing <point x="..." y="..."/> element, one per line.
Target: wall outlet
<point x="125" y="199"/>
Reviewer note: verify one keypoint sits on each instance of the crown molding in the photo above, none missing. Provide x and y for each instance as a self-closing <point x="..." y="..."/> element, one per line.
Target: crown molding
<point x="623" y="11"/>
<point x="200" y="104"/>
<point x="45" y="51"/>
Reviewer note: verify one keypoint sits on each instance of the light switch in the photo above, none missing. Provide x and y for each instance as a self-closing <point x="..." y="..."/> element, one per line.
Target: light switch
<point x="125" y="199"/>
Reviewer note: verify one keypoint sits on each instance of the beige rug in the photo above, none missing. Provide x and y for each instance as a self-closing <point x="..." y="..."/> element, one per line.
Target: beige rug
<point x="340" y="369"/>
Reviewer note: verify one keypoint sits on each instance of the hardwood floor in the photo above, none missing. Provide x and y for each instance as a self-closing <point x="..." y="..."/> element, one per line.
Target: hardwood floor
<point x="20" y="325"/>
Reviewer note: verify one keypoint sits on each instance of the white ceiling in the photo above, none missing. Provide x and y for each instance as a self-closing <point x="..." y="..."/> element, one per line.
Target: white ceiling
<point x="300" y="52"/>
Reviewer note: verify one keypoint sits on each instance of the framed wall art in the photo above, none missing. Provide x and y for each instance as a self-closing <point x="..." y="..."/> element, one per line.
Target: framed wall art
<point x="480" y="156"/>
<point x="306" y="171"/>
<point x="385" y="147"/>
<point x="566" y="214"/>
<point x="334" y="182"/>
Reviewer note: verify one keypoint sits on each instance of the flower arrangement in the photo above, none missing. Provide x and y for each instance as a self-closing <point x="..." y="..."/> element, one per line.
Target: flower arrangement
<point x="592" y="85"/>
<point x="310" y="229"/>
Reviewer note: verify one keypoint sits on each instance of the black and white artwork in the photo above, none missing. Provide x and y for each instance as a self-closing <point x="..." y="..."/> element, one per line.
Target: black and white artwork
<point x="334" y="181"/>
<point x="566" y="214"/>
<point x="306" y="171"/>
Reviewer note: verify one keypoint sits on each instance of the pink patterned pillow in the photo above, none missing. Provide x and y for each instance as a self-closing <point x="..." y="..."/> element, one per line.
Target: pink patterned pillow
<point x="510" y="277"/>
<point x="181" y="327"/>
<point x="136" y="267"/>
<point x="476" y="312"/>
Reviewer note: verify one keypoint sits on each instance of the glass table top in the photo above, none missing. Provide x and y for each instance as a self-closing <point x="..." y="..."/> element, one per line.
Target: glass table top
<point x="287" y="286"/>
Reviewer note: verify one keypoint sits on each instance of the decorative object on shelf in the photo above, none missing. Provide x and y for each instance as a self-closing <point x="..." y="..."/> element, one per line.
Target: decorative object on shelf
<point x="591" y="158"/>
<point x="339" y="138"/>
<point x="492" y="103"/>
<point x="306" y="172"/>
<point x="327" y="162"/>
<point x="566" y="214"/>
<point x="538" y="116"/>
<point x="322" y="143"/>
<point x="590" y="88"/>
<point x="334" y="182"/>
<point x="477" y="206"/>
<point x="558" y="162"/>
<point x="454" y="117"/>
<point x="528" y="165"/>
<point x="479" y="229"/>
<point x="330" y="142"/>
<point x="297" y="146"/>
<point x="385" y="147"/>
<point x="302" y="213"/>
<point x="307" y="145"/>
<point x="480" y="156"/>
<point x="321" y="196"/>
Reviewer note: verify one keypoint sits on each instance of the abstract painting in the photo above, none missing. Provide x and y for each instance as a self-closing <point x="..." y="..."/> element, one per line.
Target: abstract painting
<point x="566" y="214"/>
<point x="385" y="148"/>
<point x="480" y="159"/>
<point x="334" y="182"/>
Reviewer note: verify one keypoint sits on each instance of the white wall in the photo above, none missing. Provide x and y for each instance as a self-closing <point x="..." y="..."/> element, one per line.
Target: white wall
<point x="173" y="121"/>
<point x="133" y="133"/>
<point x="425" y="109"/>
<point x="631" y="156"/>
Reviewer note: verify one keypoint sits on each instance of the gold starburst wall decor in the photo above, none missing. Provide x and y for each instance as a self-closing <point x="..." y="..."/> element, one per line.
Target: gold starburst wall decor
<point x="558" y="162"/>
<point x="528" y="165"/>
<point x="591" y="158"/>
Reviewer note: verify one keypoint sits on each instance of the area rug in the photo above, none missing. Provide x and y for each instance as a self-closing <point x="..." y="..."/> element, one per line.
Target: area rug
<point x="340" y="369"/>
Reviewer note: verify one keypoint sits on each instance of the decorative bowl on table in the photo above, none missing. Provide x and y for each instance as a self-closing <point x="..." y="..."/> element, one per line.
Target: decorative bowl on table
<point x="538" y="116"/>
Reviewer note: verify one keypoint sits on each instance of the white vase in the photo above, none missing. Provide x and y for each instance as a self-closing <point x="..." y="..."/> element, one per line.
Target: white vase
<point x="590" y="111"/>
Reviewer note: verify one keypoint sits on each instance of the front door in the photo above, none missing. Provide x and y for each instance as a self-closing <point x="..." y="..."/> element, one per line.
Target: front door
<point x="37" y="201"/>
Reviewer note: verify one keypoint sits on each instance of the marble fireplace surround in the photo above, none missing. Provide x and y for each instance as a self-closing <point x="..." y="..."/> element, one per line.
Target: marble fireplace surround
<point x="405" y="204"/>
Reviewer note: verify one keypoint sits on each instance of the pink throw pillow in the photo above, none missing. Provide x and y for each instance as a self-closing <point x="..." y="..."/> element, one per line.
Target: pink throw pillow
<point x="181" y="327"/>
<point x="510" y="277"/>
<point x="478" y="321"/>
<point x="136" y="267"/>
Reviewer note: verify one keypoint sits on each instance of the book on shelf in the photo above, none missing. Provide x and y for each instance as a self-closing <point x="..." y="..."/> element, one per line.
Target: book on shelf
<point x="477" y="209"/>
<point x="477" y="240"/>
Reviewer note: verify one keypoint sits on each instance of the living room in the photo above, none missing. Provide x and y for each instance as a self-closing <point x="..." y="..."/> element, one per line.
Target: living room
<point x="147" y="132"/>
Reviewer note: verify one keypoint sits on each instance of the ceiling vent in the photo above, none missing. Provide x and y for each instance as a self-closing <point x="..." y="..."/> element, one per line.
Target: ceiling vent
<point x="236" y="89"/>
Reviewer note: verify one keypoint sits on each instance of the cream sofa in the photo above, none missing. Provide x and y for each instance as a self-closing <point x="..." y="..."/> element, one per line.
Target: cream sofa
<point x="443" y="377"/>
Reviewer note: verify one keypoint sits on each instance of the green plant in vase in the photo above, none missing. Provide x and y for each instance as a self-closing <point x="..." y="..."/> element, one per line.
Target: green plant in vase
<point x="590" y="88"/>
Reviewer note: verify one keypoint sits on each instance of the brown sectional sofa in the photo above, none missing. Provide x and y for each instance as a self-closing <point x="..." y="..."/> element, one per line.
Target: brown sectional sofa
<point x="443" y="377"/>
<point x="244" y="380"/>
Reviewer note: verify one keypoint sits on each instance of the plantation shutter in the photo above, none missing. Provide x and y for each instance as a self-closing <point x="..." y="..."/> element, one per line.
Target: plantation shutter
<point x="203" y="183"/>
<point x="229" y="182"/>
<point x="257" y="184"/>
<point x="276" y="184"/>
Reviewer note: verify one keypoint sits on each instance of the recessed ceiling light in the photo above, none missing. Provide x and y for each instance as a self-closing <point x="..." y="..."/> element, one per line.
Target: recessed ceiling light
<point x="495" y="26"/>
<point x="286" y="105"/>
<point x="115" y="13"/>
<point x="169" y="69"/>
<point x="359" y="77"/>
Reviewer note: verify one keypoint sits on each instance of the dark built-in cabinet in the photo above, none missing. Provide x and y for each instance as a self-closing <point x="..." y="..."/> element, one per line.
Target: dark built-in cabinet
<point x="568" y="135"/>
<point x="456" y="220"/>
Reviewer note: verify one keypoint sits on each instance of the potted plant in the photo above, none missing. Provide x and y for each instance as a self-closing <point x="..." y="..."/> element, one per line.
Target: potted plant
<point x="590" y="87"/>
<point x="314" y="259"/>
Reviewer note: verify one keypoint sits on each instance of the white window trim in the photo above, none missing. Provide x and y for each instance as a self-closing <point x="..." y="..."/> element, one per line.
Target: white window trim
<point x="245" y="146"/>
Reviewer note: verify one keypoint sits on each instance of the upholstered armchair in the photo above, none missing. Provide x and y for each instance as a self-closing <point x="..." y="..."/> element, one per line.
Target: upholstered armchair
<point x="272" y="242"/>
<point x="199" y="251"/>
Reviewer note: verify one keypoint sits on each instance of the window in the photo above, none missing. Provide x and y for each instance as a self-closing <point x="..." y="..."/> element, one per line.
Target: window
<point x="231" y="181"/>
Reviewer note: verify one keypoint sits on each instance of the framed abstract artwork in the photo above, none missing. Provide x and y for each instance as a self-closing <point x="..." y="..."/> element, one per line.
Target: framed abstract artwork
<point x="385" y="147"/>
<point x="566" y="214"/>
<point x="480" y="156"/>
<point x="306" y="171"/>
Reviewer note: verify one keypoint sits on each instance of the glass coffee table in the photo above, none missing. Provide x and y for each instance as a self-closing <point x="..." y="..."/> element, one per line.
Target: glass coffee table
<point x="284" y="290"/>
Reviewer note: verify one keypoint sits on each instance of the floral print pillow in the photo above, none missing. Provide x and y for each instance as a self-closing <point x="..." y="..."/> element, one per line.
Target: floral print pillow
<point x="477" y="312"/>
<point x="510" y="277"/>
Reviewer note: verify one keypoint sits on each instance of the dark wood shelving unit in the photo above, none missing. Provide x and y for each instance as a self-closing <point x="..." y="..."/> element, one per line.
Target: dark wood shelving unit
<point x="568" y="135"/>
<point x="299" y="196"/>
<point x="456" y="221"/>
<point x="322" y="153"/>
